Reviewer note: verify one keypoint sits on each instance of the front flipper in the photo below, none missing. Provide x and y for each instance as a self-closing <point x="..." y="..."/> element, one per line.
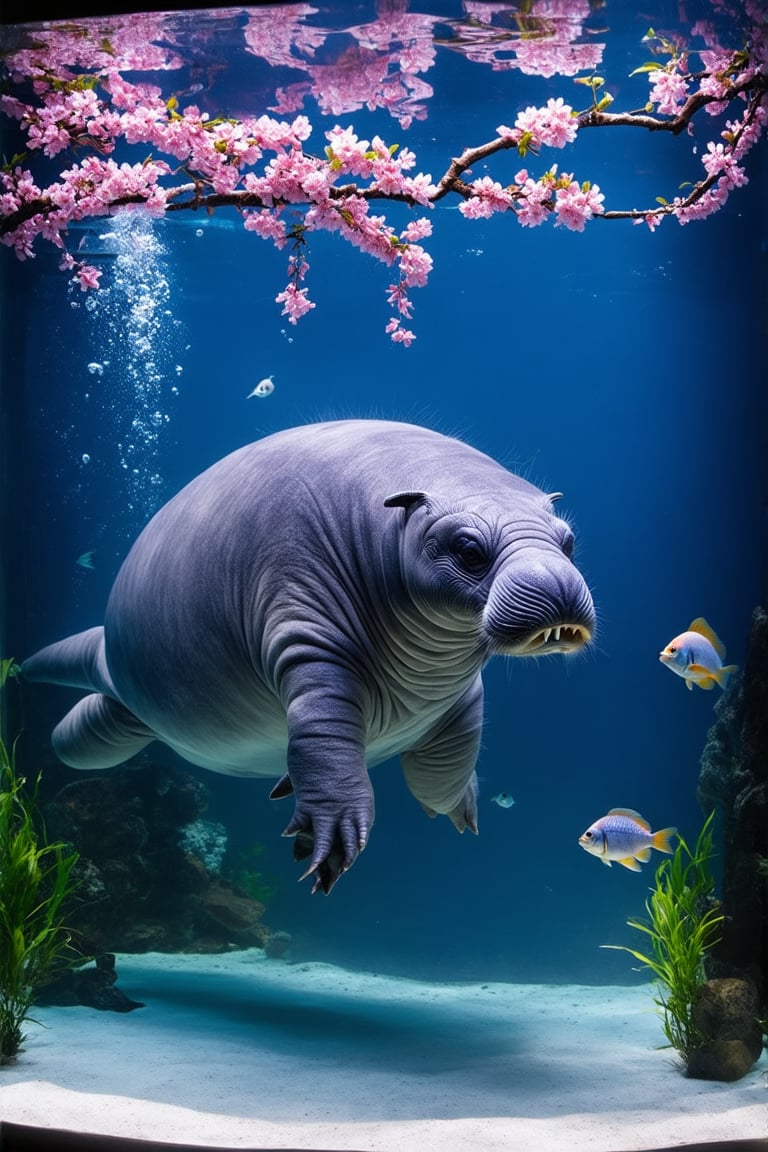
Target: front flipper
<point x="334" y="810"/>
<point x="440" y="771"/>
<point x="99" y="733"/>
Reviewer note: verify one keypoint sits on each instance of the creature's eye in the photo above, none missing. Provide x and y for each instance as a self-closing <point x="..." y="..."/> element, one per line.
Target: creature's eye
<point x="471" y="554"/>
<point x="672" y="650"/>
<point x="567" y="544"/>
<point x="588" y="835"/>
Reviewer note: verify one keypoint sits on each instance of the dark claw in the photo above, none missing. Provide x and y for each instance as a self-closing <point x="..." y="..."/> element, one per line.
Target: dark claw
<point x="282" y="788"/>
<point x="327" y="871"/>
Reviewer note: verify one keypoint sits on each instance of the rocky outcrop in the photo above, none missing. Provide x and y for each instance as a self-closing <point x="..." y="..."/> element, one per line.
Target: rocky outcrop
<point x="149" y="866"/>
<point x="726" y="1017"/>
<point x="734" y="780"/>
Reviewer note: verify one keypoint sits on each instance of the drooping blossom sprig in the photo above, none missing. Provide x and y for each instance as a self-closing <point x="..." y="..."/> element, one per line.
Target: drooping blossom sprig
<point x="82" y="108"/>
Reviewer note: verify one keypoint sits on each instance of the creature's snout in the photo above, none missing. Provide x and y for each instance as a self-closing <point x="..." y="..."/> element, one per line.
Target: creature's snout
<point x="539" y="606"/>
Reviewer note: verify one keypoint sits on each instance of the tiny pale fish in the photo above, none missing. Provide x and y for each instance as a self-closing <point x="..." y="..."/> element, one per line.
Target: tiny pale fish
<point x="503" y="799"/>
<point x="86" y="560"/>
<point x="624" y="835"/>
<point x="264" y="387"/>
<point x="697" y="655"/>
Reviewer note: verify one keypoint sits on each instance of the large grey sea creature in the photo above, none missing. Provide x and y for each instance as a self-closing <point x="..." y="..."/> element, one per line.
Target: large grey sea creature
<point x="315" y="603"/>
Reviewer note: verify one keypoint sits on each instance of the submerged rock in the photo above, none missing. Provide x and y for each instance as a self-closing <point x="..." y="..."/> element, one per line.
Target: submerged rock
<point x="726" y="1016"/>
<point x="734" y="780"/>
<point x="92" y="986"/>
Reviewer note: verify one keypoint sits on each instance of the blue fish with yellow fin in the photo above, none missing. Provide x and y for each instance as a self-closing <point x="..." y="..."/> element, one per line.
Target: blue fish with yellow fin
<point x="623" y="835"/>
<point x="697" y="655"/>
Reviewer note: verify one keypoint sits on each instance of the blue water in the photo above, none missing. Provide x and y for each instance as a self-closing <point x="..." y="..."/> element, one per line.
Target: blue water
<point x="624" y="368"/>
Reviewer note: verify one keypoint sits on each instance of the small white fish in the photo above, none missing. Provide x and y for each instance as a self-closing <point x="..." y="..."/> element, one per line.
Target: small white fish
<point x="86" y="560"/>
<point x="264" y="387"/>
<point x="697" y="655"/>
<point x="503" y="799"/>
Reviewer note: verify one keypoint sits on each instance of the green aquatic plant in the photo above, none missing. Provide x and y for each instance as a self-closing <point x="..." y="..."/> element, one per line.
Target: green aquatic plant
<point x="246" y="874"/>
<point x="683" y="924"/>
<point x="35" y="884"/>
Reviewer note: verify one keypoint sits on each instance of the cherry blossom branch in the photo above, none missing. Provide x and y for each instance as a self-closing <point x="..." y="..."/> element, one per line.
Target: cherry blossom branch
<point x="296" y="192"/>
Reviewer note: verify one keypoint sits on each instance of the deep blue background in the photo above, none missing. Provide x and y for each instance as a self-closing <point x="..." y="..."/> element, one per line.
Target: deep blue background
<point x="623" y="368"/>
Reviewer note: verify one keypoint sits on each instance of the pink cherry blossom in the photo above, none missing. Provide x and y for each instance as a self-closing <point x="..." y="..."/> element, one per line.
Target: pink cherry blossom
<point x="417" y="230"/>
<point x="488" y="197"/>
<point x="532" y="208"/>
<point x="88" y="276"/>
<point x="295" y="303"/>
<point x="669" y="91"/>
<point x="398" y="334"/>
<point x="718" y="159"/>
<point x="575" y="205"/>
<point x="553" y="125"/>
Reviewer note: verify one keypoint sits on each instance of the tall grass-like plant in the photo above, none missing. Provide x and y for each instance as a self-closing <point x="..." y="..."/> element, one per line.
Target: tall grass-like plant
<point x="35" y="882"/>
<point x="683" y="924"/>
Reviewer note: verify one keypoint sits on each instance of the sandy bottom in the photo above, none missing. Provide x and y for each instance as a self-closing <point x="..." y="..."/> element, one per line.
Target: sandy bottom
<point x="245" y="1051"/>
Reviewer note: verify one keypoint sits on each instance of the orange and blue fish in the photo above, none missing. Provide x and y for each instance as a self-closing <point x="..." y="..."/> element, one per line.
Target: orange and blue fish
<point x="623" y="835"/>
<point x="697" y="655"/>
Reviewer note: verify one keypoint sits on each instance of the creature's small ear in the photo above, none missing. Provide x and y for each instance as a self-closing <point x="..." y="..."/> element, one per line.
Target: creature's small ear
<point x="553" y="496"/>
<point x="405" y="500"/>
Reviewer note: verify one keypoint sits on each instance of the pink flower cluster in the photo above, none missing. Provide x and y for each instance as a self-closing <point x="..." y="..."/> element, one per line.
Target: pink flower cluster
<point x="488" y="197"/>
<point x="669" y="90"/>
<point x="554" y="125"/>
<point x="575" y="203"/>
<point x="723" y="162"/>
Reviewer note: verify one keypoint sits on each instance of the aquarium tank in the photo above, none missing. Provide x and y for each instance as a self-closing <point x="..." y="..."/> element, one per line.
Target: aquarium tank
<point x="382" y="420"/>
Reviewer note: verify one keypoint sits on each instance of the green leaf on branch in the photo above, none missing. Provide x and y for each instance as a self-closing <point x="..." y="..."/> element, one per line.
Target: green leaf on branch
<point x="332" y="158"/>
<point x="524" y="143"/>
<point x="603" y="104"/>
<point x="651" y="66"/>
<point x="661" y="200"/>
<point x="16" y="159"/>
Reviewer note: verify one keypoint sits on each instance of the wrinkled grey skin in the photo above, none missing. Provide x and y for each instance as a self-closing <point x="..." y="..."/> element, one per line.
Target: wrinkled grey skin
<point x="318" y="601"/>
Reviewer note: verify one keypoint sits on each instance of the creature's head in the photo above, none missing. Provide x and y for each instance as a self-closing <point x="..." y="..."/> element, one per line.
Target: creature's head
<point x="502" y="566"/>
<point x="593" y="840"/>
<point x="678" y="654"/>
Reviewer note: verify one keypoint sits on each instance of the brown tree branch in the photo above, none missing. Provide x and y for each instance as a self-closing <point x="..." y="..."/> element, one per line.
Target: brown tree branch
<point x="192" y="197"/>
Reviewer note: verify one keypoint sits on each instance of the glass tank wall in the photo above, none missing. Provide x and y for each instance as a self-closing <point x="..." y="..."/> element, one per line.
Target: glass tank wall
<point x="471" y="217"/>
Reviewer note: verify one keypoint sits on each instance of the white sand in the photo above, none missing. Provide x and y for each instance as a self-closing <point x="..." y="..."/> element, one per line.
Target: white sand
<point x="245" y="1051"/>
